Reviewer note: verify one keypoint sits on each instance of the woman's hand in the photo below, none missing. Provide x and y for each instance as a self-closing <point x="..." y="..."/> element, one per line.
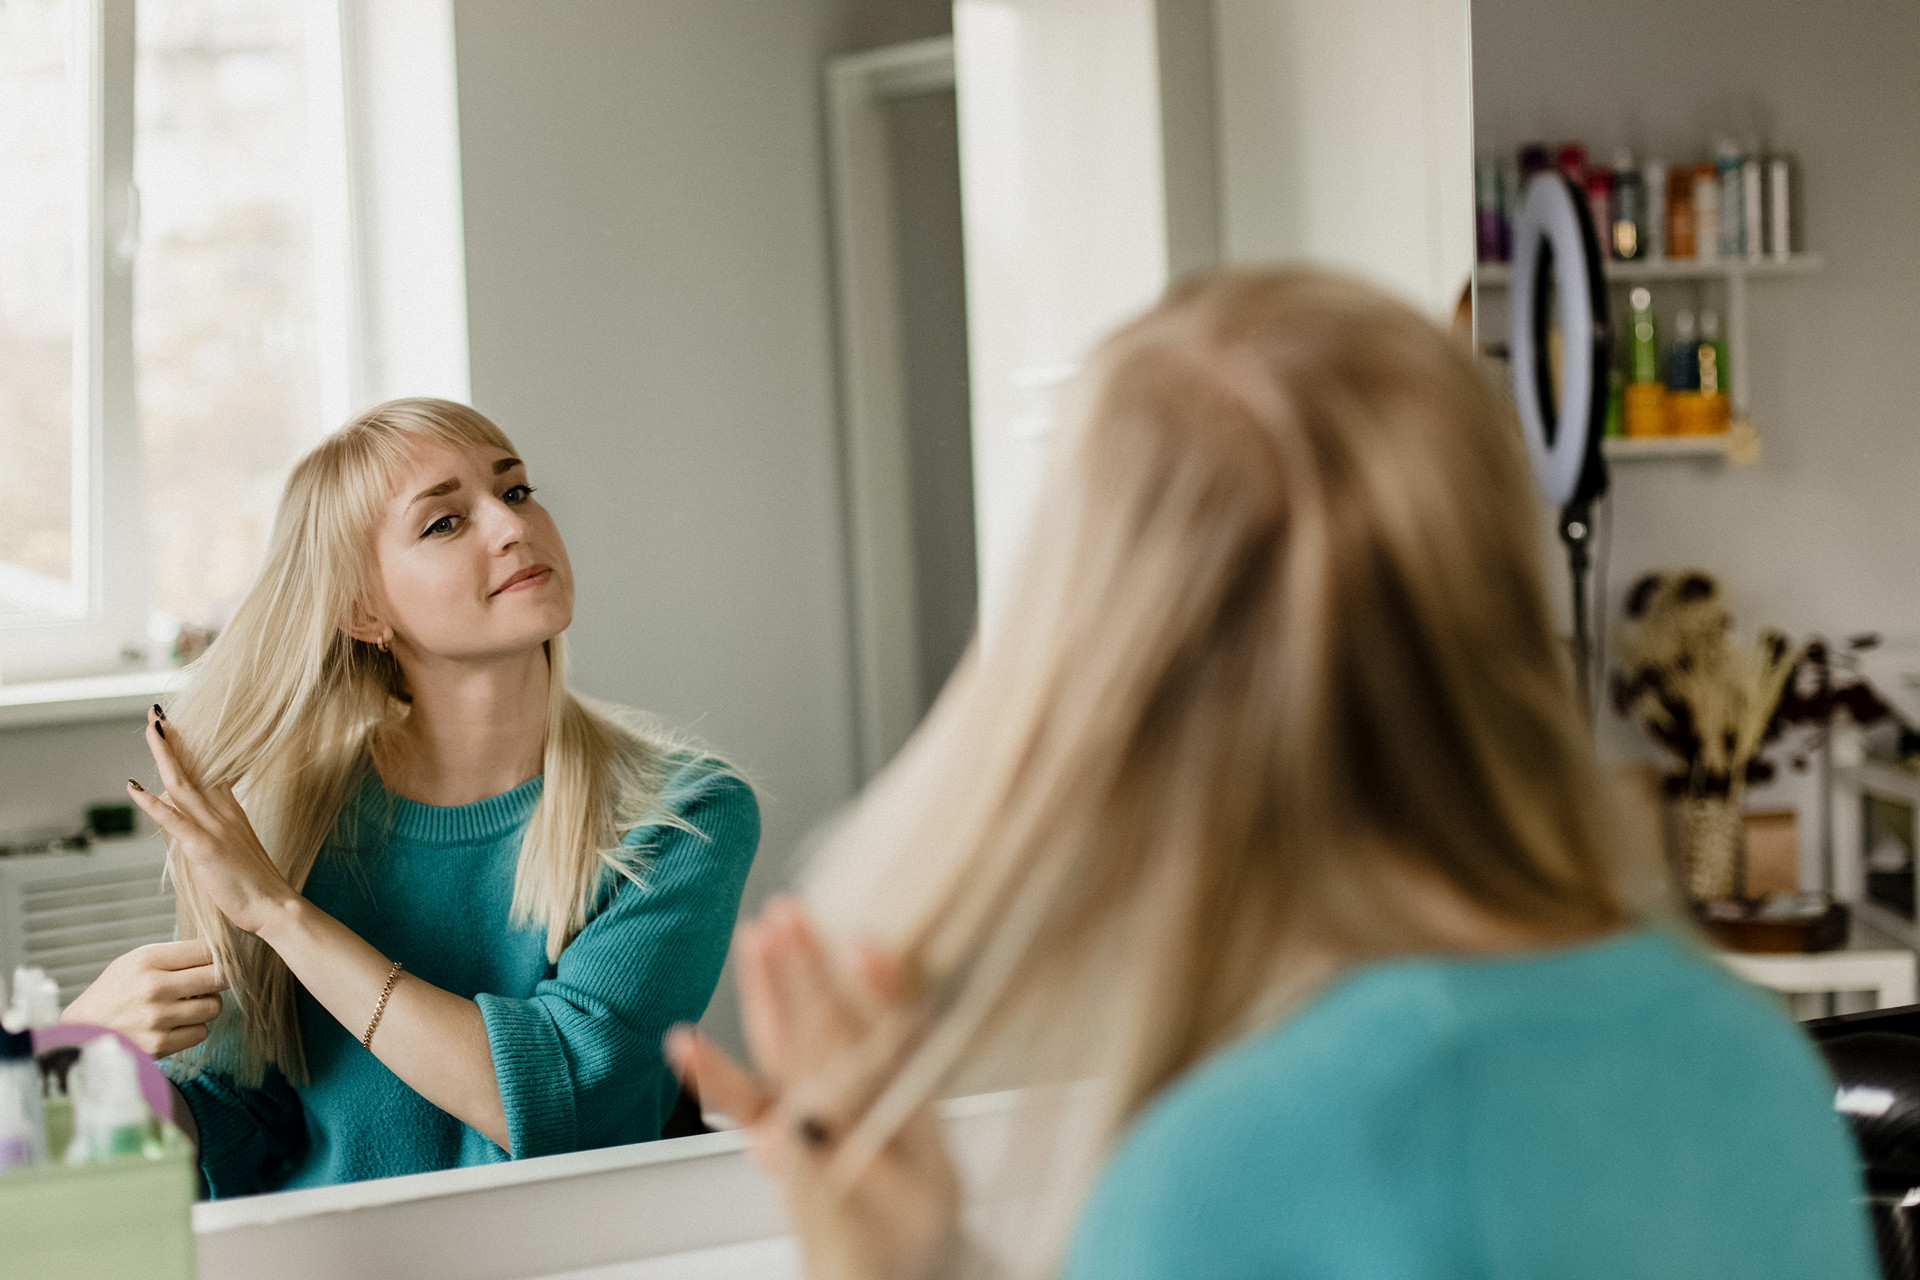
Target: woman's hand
<point x="806" y="1029"/>
<point x="211" y="831"/>
<point x="161" y="997"/>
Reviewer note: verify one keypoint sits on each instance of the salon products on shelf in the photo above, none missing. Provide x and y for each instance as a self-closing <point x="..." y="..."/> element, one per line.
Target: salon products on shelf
<point x="1737" y="205"/>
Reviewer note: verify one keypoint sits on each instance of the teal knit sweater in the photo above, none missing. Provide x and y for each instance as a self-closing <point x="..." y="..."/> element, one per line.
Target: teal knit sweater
<point x="576" y="1045"/>
<point x="1622" y="1109"/>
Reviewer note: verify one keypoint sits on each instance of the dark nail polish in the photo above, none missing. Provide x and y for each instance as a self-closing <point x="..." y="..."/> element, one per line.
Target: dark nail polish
<point x="158" y="714"/>
<point x="160" y="729"/>
<point x="135" y="785"/>
<point x="813" y="1132"/>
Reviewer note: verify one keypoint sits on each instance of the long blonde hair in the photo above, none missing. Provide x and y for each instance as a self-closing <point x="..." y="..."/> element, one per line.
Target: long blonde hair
<point x="1280" y="625"/>
<point x="285" y="705"/>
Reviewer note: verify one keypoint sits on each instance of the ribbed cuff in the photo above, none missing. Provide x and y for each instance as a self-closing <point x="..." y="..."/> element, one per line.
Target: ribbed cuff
<point x="536" y="1084"/>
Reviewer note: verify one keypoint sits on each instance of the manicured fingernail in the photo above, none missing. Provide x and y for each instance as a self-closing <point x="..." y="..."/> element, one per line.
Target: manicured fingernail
<point x="136" y="786"/>
<point x="160" y="728"/>
<point x="158" y="714"/>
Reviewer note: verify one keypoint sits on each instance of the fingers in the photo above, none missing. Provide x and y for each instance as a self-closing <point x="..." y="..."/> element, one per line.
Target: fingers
<point x="723" y="1085"/>
<point x="164" y="815"/>
<point x="760" y="1014"/>
<point x="190" y="953"/>
<point x="820" y="1021"/>
<point x="161" y="1043"/>
<point x="173" y="775"/>
<point x="181" y="1014"/>
<point x="188" y="984"/>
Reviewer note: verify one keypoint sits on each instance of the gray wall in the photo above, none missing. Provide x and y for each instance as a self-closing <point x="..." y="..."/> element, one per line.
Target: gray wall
<point x="1819" y="536"/>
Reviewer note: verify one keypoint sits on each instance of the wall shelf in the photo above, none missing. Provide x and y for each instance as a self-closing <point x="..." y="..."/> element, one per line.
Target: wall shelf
<point x="1648" y="448"/>
<point x="1497" y="275"/>
<point x="1730" y="274"/>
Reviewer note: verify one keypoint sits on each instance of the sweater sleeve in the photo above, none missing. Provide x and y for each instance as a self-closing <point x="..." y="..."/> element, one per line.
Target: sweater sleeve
<point x="579" y="1062"/>
<point x="247" y="1135"/>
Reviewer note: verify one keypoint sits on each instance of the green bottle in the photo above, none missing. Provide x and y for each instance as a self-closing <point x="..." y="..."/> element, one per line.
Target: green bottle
<point x="1645" y="347"/>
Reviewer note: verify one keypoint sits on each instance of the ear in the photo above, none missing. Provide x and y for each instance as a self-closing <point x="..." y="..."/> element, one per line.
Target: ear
<point x="362" y="625"/>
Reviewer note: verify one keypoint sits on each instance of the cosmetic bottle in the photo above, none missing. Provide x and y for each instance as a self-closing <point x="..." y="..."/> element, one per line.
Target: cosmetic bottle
<point x="1571" y="160"/>
<point x="1706" y="212"/>
<point x="110" y="1116"/>
<point x="1629" y="208"/>
<point x="1683" y="360"/>
<point x="1753" y="206"/>
<point x="1713" y="355"/>
<point x="1727" y="165"/>
<point x="1653" y="230"/>
<point x="1600" y="206"/>
<point x="1486" y="208"/>
<point x="1644" y="403"/>
<point x="1780" y="228"/>
<point x="1680" y="223"/>
<point x="23" y="1130"/>
<point x="36" y="1000"/>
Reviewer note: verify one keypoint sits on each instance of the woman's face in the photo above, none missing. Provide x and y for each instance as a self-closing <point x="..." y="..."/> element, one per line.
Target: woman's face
<point x="469" y="566"/>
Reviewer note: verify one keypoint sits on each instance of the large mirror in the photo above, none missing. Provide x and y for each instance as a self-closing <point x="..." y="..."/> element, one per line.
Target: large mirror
<point x="774" y="299"/>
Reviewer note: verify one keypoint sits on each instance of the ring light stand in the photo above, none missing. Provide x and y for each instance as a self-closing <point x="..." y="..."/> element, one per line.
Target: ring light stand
<point x="1555" y="233"/>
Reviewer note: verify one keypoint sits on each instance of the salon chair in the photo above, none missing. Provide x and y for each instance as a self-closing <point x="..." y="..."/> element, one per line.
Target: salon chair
<point x="1875" y="1059"/>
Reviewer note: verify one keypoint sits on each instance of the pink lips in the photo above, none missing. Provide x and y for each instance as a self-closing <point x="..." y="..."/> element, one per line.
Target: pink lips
<point x="531" y="576"/>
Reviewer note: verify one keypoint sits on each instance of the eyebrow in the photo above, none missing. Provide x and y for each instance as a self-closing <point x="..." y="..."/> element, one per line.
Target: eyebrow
<point x="452" y="485"/>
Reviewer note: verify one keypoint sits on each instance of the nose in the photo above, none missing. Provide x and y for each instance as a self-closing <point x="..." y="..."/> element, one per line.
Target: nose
<point x="507" y="528"/>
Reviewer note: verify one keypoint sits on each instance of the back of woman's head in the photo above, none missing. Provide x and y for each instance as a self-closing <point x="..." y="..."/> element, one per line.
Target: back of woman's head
<point x="1279" y="648"/>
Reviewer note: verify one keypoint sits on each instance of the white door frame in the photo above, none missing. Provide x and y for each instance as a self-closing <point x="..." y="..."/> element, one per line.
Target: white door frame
<point x="873" y="383"/>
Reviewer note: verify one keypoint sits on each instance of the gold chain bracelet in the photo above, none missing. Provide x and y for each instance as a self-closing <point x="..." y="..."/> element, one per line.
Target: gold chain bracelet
<point x="386" y="993"/>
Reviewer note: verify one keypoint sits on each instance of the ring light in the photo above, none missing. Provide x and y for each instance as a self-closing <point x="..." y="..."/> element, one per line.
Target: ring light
<point x="1562" y="425"/>
<point x="1562" y="432"/>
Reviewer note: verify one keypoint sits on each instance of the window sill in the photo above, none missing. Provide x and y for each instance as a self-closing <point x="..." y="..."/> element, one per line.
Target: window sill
<point x="122" y="696"/>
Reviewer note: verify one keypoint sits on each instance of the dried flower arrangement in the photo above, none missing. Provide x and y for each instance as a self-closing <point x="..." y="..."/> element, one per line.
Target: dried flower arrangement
<point x="1710" y="702"/>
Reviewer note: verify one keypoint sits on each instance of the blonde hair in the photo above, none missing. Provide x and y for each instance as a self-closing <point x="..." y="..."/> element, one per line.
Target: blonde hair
<point x="285" y="705"/>
<point x="1280" y="627"/>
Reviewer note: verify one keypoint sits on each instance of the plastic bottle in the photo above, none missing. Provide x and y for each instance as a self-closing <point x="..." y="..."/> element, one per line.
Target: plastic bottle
<point x="1629" y="208"/>
<point x="1653" y="231"/>
<point x="1753" y="205"/>
<point x="1600" y="206"/>
<point x="110" y="1115"/>
<point x="23" y="1129"/>
<point x="36" y="1000"/>
<point x="1683" y="361"/>
<point x="1644" y="404"/>
<point x="1706" y="212"/>
<point x="1486" y="208"/>
<point x="1727" y="164"/>
<point x="1714" y="374"/>
<point x="1680" y="221"/>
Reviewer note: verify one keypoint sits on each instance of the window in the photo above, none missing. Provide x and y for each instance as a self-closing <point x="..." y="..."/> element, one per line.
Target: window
<point x="189" y="294"/>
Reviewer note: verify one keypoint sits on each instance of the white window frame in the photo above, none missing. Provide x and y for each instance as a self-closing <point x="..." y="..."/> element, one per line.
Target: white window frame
<point x="390" y="276"/>
<point x="91" y="623"/>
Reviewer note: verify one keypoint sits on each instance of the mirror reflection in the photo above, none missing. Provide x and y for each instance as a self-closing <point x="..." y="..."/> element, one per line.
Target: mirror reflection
<point x="496" y="485"/>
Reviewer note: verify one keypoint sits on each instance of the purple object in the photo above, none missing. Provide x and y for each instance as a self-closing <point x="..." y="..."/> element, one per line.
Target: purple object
<point x="153" y="1085"/>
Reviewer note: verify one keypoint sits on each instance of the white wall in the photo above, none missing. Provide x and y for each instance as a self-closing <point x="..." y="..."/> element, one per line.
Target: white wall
<point x="1818" y="536"/>
<point x="1345" y="136"/>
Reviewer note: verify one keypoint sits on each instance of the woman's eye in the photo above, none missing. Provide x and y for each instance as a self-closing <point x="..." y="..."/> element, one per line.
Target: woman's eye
<point x="517" y="494"/>
<point x="443" y="525"/>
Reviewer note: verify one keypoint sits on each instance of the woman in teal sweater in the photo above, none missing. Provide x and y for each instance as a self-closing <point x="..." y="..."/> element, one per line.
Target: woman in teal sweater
<point x="455" y="905"/>
<point x="1264" y="812"/>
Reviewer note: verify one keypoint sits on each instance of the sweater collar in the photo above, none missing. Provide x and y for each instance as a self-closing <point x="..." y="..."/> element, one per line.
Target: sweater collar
<point x="475" y="823"/>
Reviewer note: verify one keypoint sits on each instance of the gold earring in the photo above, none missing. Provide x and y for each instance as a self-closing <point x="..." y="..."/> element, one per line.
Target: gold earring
<point x="381" y="643"/>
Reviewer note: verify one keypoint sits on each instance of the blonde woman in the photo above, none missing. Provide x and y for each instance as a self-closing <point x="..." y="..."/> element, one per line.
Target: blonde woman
<point x="454" y="904"/>
<point x="1265" y="812"/>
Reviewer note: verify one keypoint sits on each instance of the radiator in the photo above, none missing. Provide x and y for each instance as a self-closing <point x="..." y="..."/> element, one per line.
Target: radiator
<point x="73" y="913"/>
